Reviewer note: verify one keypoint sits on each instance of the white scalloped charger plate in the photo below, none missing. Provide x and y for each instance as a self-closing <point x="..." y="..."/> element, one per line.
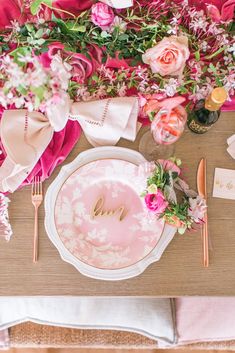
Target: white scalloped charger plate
<point x="63" y="234"/>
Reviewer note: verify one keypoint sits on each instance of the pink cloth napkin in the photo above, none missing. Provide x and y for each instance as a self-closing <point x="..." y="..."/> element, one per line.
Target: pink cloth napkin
<point x="201" y="319"/>
<point x="25" y="136"/>
<point x="4" y="339"/>
<point x="58" y="149"/>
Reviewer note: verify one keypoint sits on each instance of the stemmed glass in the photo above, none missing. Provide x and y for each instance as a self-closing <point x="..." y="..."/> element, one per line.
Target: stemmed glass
<point x="166" y="128"/>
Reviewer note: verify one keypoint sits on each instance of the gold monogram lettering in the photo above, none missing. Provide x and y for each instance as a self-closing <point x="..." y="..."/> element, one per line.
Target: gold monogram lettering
<point x="98" y="210"/>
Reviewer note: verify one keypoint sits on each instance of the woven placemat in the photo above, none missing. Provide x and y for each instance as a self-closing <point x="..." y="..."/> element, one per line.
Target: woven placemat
<point x="34" y="335"/>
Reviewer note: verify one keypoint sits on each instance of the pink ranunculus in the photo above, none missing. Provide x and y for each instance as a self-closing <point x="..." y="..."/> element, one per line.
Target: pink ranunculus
<point x="169" y="165"/>
<point x="102" y="15"/>
<point x="156" y="202"/>
<point x="169" y="56"/>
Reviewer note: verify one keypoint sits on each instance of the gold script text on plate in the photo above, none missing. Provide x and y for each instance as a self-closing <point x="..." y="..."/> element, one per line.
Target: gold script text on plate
<point x="98" y="210"/>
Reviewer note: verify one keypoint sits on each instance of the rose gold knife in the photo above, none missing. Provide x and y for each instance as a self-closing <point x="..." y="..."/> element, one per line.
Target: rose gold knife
<point x="201" y="186"/>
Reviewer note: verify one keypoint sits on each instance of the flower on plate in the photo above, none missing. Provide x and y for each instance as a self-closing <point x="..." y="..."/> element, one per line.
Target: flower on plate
<point x="169" y="56"/>
<point x="102" y="15"/>
<point x="197" y="208"/>
<point x="156" y="202"/>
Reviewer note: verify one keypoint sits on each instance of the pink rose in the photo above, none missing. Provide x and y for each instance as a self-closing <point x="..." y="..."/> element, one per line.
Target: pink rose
<point x="156" y="202"/>
<point x="102" y="15"/>
<point x="169" y="56"/>
<point x="82" y="67"/>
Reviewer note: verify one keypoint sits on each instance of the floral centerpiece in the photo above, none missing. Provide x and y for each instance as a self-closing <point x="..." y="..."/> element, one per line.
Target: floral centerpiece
<point x="161" y="48"/>
<point x="164" y="181"/>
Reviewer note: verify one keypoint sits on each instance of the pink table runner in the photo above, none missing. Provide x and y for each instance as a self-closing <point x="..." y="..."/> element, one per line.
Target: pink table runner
<point x="201" y="319"/>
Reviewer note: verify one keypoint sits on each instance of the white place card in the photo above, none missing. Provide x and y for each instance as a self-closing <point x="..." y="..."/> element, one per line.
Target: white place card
<point x="224" y="183"/>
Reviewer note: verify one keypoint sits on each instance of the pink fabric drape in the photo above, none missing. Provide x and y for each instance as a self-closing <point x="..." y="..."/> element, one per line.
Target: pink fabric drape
<point x="15" y="10"/>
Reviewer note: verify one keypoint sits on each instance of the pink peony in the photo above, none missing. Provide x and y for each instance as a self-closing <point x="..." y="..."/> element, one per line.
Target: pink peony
<point x="169" y="56"/>
<point x="156" y="202"/>
<point x="102" y="15"/>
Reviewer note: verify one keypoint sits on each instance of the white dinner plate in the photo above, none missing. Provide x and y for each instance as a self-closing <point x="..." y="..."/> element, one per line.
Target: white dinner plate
<point x="113" y="246"/>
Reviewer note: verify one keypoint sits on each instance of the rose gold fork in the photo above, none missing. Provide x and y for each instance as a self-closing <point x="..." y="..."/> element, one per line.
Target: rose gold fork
<point x="37" y="198"/>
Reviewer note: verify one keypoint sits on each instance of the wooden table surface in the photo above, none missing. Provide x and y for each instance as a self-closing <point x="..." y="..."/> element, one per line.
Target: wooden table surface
<point x="178" y="273"/>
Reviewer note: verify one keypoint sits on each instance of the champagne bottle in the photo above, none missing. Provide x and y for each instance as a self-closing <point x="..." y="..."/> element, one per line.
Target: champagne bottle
<point x="206" y="112"/>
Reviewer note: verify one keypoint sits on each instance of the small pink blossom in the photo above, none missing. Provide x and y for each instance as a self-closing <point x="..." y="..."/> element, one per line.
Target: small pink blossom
<point x="102" y="15"/>
<point x="156" y="202"/>
<point x="197" y="208"/>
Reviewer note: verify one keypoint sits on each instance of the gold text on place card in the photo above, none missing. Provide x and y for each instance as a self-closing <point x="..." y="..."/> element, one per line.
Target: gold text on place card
<point x="224" y="183"/>
<point x="99" y="211"/>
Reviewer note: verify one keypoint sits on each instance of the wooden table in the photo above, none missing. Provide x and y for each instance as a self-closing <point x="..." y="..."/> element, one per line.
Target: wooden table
<point x="178" y="273"/>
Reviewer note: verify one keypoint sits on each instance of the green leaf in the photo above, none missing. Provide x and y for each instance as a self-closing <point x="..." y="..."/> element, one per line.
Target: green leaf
<point x="29" y="27"/>
<point x="39" y="33"/>
<point x="80" y="29"/>
<point x="182" y="90"/>
<point x="40" y="41"/>
<point x="38" y="91"/>
<point x="18" y="53"/>
<point x="22" y="90"/>
<point x="197" y="55"/>
<point x="212" y="67"/>
<point x="95" y="78"/>
<point x="123" y="37"/>
<point x="37" y="102"/>
<point x="104" y="34"/>
<point x="35" y="6"/>
<point x="143" y="194"/>
<point x="217" y="52"/>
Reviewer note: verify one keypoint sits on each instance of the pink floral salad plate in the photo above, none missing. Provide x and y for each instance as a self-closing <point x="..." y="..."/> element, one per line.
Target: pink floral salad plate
<point x="97" y="220"/>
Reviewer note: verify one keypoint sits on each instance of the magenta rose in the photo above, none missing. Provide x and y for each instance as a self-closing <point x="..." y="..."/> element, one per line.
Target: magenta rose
<point x="102" y="15"/>
<point x="156" y="202"/>
<point x="82" y="67"/>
